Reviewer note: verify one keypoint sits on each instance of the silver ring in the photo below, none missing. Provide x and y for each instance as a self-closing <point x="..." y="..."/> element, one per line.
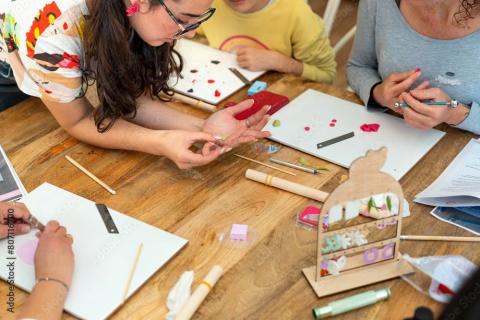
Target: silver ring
<point x="247" y="123"/>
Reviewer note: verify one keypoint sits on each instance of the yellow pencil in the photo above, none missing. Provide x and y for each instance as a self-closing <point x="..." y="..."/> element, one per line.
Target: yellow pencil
<point x="91" y="175"/>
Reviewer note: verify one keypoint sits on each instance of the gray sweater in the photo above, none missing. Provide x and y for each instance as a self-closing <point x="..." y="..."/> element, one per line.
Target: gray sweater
<point x="385" y="43"/>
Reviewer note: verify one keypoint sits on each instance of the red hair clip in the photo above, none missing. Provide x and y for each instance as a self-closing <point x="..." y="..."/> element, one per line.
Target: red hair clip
<point x="133" y="8"/>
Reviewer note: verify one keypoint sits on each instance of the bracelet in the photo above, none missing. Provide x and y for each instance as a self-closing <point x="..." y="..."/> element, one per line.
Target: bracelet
<point x="54" y="280"/>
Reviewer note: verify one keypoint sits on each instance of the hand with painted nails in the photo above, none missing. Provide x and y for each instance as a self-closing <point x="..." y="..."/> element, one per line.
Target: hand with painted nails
<point x="422" y="116"/>
<point x="233" y="132"/>
<point x="390" y="90"/>
<point x="18" y="213"/>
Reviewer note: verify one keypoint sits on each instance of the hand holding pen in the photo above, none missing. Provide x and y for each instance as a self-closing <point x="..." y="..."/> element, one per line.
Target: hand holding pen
<point x="17" y="214"/>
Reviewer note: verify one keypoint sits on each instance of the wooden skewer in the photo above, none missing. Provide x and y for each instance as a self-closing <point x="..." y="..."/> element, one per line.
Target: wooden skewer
<point x="441" y="238"/>
<point x="264" y="164"/>
<point x="91" y="175"/>
<point x="132" y="272"/>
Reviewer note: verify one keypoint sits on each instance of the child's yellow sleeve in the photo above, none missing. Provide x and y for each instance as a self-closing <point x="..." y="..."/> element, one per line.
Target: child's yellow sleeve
<point x="200" y="31"/>
<point x="312" y="47"/>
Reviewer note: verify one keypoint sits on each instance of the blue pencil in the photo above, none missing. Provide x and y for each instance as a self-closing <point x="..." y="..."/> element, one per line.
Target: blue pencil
<point x="440" y="103"/>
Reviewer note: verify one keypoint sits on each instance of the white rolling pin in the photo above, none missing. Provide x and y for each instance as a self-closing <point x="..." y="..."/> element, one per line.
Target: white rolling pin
<point x="286" y="185"/>
<point x="200" y="294"/>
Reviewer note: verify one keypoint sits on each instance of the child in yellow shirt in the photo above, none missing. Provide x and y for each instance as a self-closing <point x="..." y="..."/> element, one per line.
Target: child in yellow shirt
<point x="281" y="35"/>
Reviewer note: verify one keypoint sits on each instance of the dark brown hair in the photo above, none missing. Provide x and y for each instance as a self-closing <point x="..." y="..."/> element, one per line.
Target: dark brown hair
<point x="467" y="10"/>
<point x="123" y="66"/>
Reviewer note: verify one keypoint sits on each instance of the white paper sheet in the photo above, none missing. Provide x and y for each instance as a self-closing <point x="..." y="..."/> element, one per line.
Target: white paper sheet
<point x="459" y="184"/>
<point x="103" y="261"/>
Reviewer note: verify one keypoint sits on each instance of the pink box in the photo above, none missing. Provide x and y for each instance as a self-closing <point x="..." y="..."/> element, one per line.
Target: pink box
<point x="239" y="232"/>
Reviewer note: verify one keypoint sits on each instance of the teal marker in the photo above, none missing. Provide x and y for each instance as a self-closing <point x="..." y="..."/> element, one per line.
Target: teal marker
<point x="451" y="104"/>
<point x="351" y="303"/>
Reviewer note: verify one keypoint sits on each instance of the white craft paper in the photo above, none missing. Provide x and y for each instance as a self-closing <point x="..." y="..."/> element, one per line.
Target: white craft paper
<point x="313" y="109"/>
<point x="103" y="261"/>
<point x="197" y="56"/>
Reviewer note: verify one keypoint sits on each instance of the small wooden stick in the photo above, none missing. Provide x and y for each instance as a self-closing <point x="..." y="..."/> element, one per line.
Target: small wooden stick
<point x="264" y="164"/>
<point x="132" y="272"/>
<point x="194" y="102"/>
<point x="441" y="238"/>
<point x="91" y="175"/>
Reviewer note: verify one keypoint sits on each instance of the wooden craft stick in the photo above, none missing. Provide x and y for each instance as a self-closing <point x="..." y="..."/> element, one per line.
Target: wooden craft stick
<point x="91" y="175"/>
<point x="132" y="272"/>
<point x="200" y="293"/>
<point x="286" y="185"/>
<point x="194" y="102"/>
<point x="264" y="164"/>
<point x="441" y="238"/>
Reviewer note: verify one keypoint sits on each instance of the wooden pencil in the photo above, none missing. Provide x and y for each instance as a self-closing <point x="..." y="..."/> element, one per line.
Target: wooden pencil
<point x="440" y="238"/>
<point x="91" y="175"/>
<point x="132" y="272"/>
<point x="264" y="164"/>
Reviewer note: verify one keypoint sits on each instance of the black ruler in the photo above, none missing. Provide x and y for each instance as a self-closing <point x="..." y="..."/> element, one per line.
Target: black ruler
<point x="107" y="218"/>
<point x="335" y="140"/>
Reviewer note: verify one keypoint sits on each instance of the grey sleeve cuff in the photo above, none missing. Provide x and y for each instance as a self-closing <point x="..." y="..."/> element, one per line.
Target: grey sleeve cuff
<point x="472" y="122"/>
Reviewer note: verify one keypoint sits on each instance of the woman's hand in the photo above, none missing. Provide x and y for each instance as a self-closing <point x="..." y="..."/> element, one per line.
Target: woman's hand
<point x="422" y="116"/>
<point x="178" y="144"/>
<point x="390" y="90"/>
<point x="54" y="255"/>
<point x="233" y="132"/>
<point x="20" y="215"/>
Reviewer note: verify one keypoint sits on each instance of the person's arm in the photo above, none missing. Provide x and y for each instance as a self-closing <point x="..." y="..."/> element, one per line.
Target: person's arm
<point x="471" y="120"/>
<point x="54" y="264"/>
<point x="312" y="48"/>
<point x="45" y="302"/>
<point x="362" y="66"/>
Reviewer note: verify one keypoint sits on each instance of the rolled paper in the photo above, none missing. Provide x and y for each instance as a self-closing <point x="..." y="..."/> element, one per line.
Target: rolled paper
<point x="286" y="185"/>
<point x="200" y="293"/>
<point x="194" y="102"/>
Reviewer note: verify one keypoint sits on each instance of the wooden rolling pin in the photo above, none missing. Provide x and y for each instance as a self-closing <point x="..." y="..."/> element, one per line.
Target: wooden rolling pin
<point x="194" y="102"/>
<point x="286" y="185"/>
<point x="203" y="289"/>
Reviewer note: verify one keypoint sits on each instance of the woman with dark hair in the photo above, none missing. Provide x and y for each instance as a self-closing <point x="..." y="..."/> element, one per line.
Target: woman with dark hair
<point x="57" y="48"/>
<point x="417" y="51"/>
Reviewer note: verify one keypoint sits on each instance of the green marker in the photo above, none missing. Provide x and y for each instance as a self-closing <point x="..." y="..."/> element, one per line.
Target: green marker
<point x="351" y="303"/>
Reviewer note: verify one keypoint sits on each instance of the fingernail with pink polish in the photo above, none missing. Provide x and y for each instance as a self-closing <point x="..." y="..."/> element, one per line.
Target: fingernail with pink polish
<point x="418" y="69"/>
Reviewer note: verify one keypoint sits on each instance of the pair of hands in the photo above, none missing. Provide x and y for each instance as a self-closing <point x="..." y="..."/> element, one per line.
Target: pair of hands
<point x="396" y="88"/>
<point x="54" y="255"/>
<point x="220" y="133"/>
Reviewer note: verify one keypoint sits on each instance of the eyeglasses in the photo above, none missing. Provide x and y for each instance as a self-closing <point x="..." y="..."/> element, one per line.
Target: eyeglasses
<point x="186" y="29"/>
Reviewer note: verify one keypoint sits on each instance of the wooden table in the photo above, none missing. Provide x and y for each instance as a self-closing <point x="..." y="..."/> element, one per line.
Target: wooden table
<point x="263" y="279"/>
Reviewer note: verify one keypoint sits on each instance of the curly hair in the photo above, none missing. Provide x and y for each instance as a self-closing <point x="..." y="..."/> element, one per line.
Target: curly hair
<point x="467" y="10"/>
<point x="123" y="66"/>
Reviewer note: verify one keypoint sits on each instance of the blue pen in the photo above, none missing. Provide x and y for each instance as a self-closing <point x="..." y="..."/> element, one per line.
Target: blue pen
<point x="451" y="104"/>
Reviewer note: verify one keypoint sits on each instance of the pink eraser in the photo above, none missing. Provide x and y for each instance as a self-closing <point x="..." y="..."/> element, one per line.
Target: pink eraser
<point x="239" y="232"/>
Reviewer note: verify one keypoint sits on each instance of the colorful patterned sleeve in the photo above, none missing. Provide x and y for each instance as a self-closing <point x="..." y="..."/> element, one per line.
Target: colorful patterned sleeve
<point x="45" y="51"/>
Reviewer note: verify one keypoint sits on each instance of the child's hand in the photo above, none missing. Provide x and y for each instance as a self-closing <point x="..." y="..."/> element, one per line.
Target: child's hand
<point x="54" y="255"/>
<point x="20" y="214"/>
<point x="389" y="91"/>
<point x="254" y="59"/>
<point x="422" y="116"/>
